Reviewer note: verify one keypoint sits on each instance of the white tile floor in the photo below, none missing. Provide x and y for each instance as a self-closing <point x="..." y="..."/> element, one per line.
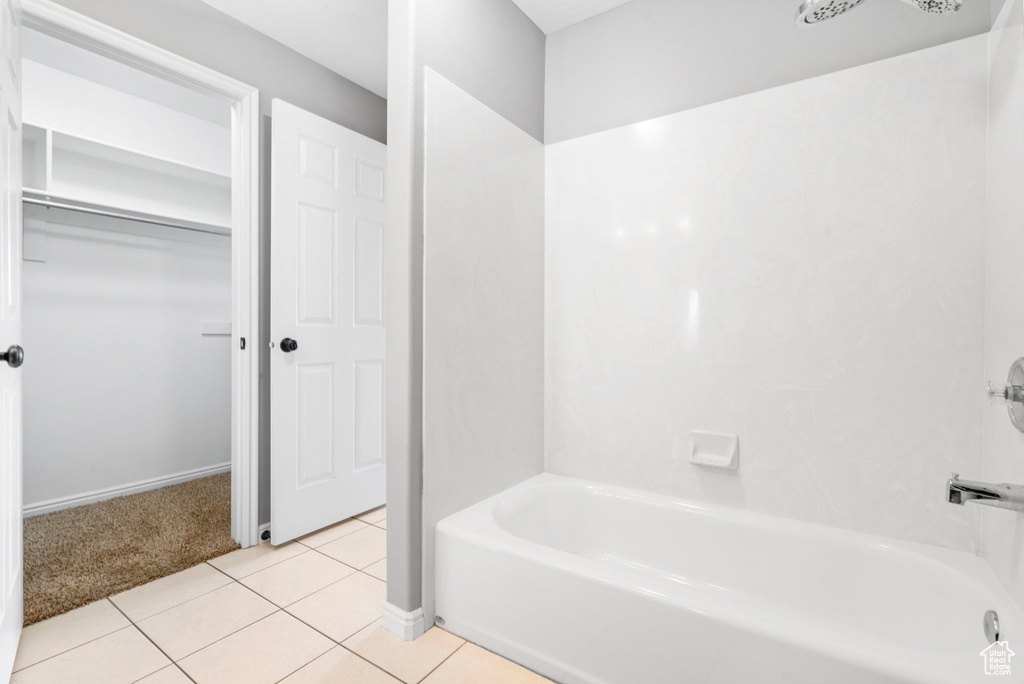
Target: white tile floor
<point x="307" y="612"/>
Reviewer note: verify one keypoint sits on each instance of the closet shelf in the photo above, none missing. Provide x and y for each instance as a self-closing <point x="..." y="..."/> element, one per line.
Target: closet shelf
<point x="68" y="172"/>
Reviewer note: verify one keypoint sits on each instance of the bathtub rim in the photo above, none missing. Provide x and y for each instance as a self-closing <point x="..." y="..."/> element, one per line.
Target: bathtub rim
<point x="477" y="524"/>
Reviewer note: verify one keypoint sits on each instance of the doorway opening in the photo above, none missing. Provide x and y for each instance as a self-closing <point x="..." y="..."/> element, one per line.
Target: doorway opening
<point x="140" y="311"/>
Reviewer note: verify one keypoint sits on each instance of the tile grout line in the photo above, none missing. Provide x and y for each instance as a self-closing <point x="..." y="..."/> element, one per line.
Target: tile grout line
<point x="333" y="641"/>
<point x="261" y="569"/>
<point x="261" y="596"/>
<point x="374" y="577"/>
<point x="155" y="645"/>
<point x="221" y="572"/>
<point x="232" y="579"/>
<point x="354" y="572"/>
<point x="223" y="586"/>
<point x="305" y="664"/>
<point x="276" y="610"/>
<point x="217" y="641"/>
<point x="173" y="665"/>
<point x="132" y="623"/>
<point x="316" y="591"/>
<point x="367" y="660"/>
<point x="352" y="566"/>
<point x="347" y="536"/>
<point x="464" y="642"/>
<point x="336" y="560"/>
<point x="341" y="536"/>
<point x="84" y="643"/>
<point x="338" y="644"/>
<point x="161" y="612"/>
<point x="324" y="634"/>
<point x="285" y="607"/>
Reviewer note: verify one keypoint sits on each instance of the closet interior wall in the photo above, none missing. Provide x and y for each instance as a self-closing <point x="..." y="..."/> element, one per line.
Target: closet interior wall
<point x="126" y="323"/>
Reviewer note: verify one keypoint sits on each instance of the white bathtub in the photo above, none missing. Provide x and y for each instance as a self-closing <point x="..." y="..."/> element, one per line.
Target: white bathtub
<point x="585" y="582"/>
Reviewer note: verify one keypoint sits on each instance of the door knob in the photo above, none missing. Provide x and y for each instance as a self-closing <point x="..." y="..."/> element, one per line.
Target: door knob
<point x="14" y="356"/>
<point x="289" y="345"/>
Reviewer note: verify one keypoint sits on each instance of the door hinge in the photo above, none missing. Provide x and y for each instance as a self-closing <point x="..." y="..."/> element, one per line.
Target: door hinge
<point x="241" y="343"/>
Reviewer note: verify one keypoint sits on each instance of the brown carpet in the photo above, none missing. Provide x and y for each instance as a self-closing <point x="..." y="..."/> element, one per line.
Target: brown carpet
<point x="80" y="555"/>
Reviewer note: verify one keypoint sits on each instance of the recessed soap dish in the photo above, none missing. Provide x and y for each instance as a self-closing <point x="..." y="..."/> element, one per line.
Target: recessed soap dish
<point x="714" y="449"/>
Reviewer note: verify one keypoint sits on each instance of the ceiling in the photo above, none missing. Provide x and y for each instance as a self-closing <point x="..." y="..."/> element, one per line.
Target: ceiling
<point x="555" y="15"/>
<point x="349" y="37"/>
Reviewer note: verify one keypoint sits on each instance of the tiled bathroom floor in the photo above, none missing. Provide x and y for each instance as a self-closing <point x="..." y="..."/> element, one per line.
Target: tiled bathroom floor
<point x="307" y="612"/>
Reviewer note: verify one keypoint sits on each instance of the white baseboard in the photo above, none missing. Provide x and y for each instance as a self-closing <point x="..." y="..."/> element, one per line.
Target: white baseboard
<point x="401" y="623"/>
<point x="124" y="490"/>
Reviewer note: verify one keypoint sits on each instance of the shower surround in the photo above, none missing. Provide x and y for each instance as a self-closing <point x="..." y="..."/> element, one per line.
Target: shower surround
<point x="803" y="267"/>
<point x="818" y="268"/>
<point x="1003" y="532"/>
<point x="822" y="269"/>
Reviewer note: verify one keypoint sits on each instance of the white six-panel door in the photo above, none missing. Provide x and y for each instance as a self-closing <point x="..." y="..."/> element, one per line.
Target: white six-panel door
<point x="10" y="333"/>
<point x="327" y="295"/>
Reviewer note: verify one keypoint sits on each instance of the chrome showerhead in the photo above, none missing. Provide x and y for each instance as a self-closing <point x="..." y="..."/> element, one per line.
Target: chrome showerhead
<point x="937" y="6"/>
<point x="816" y="11"/>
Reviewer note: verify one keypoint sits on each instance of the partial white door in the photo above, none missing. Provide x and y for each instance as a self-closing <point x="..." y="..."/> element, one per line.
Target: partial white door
<point x="10" y="334"/>
<point x="326" y="323"/>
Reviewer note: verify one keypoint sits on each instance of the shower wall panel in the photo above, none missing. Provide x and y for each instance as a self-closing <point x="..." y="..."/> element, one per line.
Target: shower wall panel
<point x="802" y="267"/>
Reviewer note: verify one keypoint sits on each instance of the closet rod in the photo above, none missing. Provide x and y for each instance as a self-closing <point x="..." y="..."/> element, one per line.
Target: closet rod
<point x="141" y="218"/>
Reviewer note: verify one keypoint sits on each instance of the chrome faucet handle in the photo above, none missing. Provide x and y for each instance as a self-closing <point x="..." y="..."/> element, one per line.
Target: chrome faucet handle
<point x="1002" y="393"/>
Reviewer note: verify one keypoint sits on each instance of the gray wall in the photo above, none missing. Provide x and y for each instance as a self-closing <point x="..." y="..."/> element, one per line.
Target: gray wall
<point x="195" y="30"/>
<point x="490" y="49"/>
<point x="997" y="7"/>
<point x="198" y="32"/>
<point x="649" y="58"/>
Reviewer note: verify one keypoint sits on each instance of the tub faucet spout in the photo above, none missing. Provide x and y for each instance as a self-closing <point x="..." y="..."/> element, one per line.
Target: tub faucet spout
<point x="1008" y="496"/>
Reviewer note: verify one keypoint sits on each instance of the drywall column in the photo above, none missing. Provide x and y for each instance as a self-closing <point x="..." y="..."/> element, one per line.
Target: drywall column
<point x="496" y="54"/>
<point x="404" y="306"/>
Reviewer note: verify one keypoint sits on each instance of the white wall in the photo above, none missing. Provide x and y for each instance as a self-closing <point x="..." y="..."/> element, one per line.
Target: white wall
<point x="803" y="267"/>
<point x="1003" y="531"/>
<point x="198" y="32"/>
<point x="72" y="104"/>
<point x="488" y="48"/>
<point x="483" y="356"/>
<point x="649" y="58"/>
<point x="119" y="384"/>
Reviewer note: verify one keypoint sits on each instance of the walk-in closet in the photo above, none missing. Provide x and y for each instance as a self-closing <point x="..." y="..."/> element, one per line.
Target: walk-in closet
<point x="127" y="301"/>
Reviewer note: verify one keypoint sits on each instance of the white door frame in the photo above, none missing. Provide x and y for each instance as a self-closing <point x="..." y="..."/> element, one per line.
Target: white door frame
<point x="58" y="21"/>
